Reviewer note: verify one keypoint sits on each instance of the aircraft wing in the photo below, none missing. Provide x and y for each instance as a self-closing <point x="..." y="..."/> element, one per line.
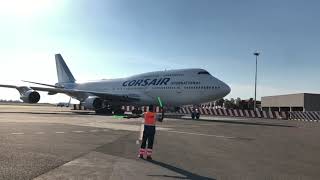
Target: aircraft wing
<point x="83" y="94"/>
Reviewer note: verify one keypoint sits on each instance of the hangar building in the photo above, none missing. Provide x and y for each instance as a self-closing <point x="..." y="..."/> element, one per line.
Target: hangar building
<point x="291" y="102"/>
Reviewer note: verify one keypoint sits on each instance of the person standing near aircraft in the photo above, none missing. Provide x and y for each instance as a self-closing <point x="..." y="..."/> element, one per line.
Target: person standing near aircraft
<point x="150" y="119"/>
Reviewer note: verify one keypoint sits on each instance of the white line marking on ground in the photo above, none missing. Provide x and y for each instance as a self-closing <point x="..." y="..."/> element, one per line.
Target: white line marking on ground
<point x="78" y="131"/>
<point x="95" y="130"/>
<point x="59" y="132"/>
<point x="105" y="130"/>
<point x="199" y="134"/>
<point x="17" y="133"/>
<point x="207" y="124"/>
<point x="39" y="132"/>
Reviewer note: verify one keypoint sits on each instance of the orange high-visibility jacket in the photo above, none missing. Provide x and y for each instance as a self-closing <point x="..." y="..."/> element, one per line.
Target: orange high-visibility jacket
<point x="150" y="118"/>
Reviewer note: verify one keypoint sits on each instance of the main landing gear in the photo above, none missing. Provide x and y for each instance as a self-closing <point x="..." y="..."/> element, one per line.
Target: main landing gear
<point x="110" y="111"/>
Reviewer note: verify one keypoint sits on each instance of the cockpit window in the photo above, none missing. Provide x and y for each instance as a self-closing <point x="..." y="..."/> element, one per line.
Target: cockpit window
<point x="203" y="72"/>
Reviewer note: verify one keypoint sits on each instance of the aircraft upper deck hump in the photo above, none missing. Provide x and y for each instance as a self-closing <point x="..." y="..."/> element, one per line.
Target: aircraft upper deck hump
<point x="63" y="72"/>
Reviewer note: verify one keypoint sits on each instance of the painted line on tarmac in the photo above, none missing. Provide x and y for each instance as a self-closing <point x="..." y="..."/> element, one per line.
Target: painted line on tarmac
<point x="61" y="132"/>
<point x="78" y="131"/>
<point x="199" y="134"/>
<point x="18" y="133"/>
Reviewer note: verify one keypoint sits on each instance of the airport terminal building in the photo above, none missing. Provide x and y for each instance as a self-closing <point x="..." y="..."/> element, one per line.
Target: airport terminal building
<point x="291" y="102"/>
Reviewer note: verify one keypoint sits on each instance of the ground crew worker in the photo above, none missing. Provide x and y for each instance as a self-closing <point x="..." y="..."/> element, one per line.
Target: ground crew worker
<point x="150" y="118"/>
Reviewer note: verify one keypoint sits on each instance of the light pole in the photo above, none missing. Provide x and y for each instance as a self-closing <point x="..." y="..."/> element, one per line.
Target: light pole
<point x="256" y="53"/>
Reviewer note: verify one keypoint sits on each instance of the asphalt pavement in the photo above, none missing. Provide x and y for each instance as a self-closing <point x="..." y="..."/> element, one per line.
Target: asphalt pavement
<point x="57" y="143"/>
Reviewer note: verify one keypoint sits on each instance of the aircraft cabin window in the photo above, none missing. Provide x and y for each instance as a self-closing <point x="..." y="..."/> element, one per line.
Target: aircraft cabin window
<point x="203" y="72"/>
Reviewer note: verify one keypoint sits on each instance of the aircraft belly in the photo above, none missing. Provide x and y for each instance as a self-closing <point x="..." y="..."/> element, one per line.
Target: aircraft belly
<point x="190" y="97"/>
<point x="175" y="99"/>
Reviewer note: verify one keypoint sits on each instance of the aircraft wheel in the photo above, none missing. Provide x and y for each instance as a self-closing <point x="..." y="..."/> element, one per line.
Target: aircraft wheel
<point x="105" y="111"/>
<point x="137" y="111"/>
<point x="119" y="112"/>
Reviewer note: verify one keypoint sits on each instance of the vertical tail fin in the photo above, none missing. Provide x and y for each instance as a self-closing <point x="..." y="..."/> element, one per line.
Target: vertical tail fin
<point x="64" y="73"/>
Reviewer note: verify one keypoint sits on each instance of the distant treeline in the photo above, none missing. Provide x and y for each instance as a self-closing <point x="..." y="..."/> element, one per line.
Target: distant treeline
<point x="234" y="103"/>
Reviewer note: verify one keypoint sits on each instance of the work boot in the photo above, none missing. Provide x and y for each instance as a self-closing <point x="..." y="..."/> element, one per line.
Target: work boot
<point x="141" y="152"/>
<point x="149" y="153"/>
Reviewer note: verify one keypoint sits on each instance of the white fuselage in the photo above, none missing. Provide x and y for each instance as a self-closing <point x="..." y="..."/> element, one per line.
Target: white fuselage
<point x="174" y="87"/>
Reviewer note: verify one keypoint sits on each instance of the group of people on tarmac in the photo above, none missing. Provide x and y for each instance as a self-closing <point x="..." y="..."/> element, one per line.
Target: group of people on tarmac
<point x="150" y="119"/>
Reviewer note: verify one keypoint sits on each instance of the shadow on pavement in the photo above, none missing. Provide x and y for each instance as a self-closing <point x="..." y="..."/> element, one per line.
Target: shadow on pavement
<point x="126" y="147"/>
<point x="240" y="122"/>
<point x="187" y="174"/>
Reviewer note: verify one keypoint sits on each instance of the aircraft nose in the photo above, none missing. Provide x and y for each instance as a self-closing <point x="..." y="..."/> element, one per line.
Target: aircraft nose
<point x="226" y="89"/>
<point x="223" y="88"/>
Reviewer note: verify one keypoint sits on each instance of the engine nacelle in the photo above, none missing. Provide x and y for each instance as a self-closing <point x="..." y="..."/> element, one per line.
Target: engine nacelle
<point x="93" y="103"/>
<point x="30" y="96"/>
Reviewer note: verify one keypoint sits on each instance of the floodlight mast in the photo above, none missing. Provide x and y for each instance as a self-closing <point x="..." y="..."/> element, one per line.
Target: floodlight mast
<point x="256" y="53"/>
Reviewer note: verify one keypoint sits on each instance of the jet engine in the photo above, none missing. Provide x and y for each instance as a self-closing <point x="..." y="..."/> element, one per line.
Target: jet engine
<point x="93" y="103"/>
<point x="30" y="96"/>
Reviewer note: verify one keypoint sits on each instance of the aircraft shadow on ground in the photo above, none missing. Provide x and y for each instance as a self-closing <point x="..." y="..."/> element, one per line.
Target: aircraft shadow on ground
<point x="187" y="119"/>
<point x="241" y="122"/>
<point x="187" y="174"/>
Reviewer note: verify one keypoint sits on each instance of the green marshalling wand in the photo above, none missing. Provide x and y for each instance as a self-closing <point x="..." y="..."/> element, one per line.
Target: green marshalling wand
<point x="160" y="102"/>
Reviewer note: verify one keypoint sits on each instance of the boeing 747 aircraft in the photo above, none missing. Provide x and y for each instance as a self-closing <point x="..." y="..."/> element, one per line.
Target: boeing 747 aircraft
<point x="173" y="87"/>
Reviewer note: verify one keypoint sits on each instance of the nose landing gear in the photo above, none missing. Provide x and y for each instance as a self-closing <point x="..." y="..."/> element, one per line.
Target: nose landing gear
<point x="195" y="114"/>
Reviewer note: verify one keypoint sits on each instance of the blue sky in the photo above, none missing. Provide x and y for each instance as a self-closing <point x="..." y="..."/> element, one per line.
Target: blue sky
<point x="117" y="38"/>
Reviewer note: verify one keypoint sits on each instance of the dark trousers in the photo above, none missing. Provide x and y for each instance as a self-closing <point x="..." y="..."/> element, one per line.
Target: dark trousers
<point x="148" y="135"/>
